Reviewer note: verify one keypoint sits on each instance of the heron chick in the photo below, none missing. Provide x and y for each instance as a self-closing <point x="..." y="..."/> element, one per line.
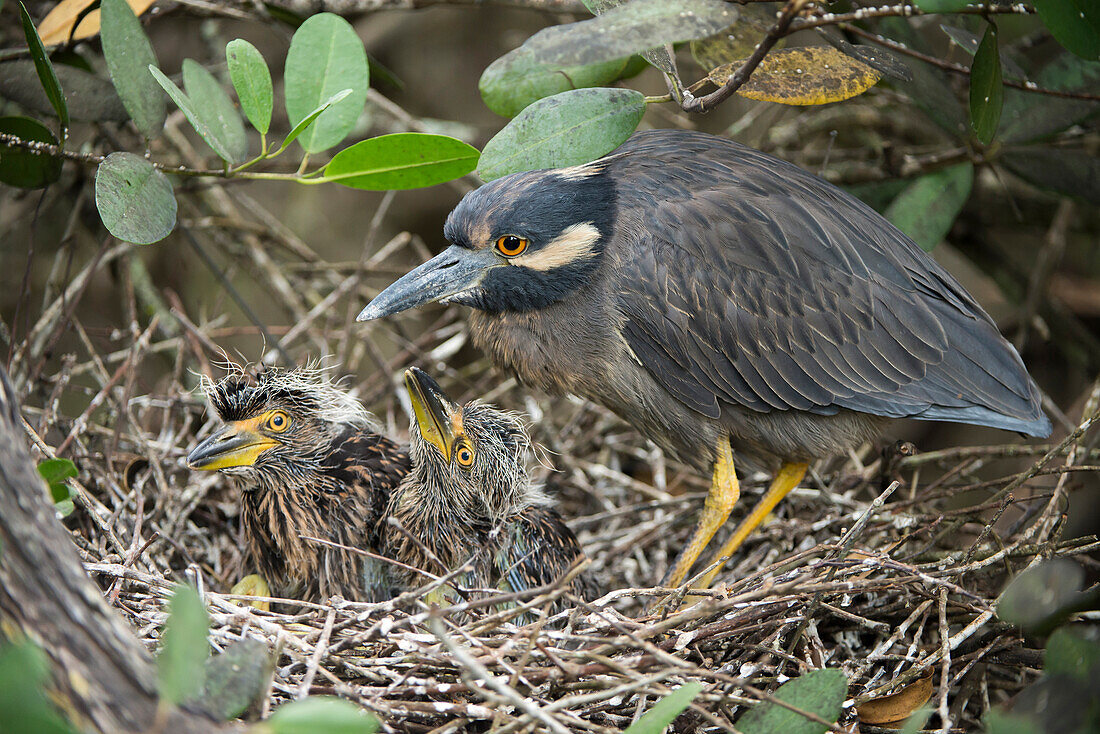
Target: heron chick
<point x="469" y="500"/>
<point x="310" y="465"/>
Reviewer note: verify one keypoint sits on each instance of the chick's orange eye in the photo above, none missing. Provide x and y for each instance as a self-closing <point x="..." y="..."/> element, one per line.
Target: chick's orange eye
<point x="465" y="456"/>
<point x="278" y="421"/>
<point x="510" y="245"/>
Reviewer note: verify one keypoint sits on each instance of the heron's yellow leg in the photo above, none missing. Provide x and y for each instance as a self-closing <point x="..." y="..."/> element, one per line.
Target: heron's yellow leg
<point x="724" y="491"/>
<point x="787" y="479"/>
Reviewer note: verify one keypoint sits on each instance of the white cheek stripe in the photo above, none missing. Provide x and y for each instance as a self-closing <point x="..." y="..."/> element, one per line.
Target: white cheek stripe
<point x="573" y="244"/>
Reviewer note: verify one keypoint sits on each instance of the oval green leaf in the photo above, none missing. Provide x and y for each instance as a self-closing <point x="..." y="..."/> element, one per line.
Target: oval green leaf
<point x="191" y="112"/>
<point x="129" y="55"/>
<point x="134" y="199"/>
<point x="941" y="6"/>
<point x="564" y="130"/>
<point x="665" y="711"/>
<point x="321" y="714"/>
<point x="819" y="692"/>
<point x="402" y="161"/>
<point x="325" y="57"/>
<point x="308" y="119"/>
<point x="986" y="89"/>
<point x="927" y="208"/>
<point x="1043" y="596"/>
<point x="216" y="110"/>
<point x="183" y="654"/>
<point x="27" y="169"/>
<point x="252" y="81"/>
<point x="44" y="67"/>
<point x="516" y="79"/>
<point x="1074" y="23"/>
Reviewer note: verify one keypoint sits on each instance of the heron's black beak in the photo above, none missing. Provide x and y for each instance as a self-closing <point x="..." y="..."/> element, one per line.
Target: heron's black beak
<point x="234" y="444"/>
<point x="452" y="271"/>
<point x="439" y="420"/>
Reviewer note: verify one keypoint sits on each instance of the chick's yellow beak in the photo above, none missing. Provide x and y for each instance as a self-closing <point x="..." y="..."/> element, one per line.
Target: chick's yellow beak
<point x="438" y="419"/>
<point x="235" y="444"/>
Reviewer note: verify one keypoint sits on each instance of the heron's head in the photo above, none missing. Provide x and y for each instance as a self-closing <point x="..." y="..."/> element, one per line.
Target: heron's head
<point x="472" y="456"/>
<point x="518" y="243"/>
<point x="278" y="426"/>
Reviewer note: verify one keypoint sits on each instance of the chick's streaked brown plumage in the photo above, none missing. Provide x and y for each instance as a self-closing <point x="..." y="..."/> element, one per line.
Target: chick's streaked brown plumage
<point x="309" y="466"/>
<point x="721" y="301"/>
<point x="469" y="500"/>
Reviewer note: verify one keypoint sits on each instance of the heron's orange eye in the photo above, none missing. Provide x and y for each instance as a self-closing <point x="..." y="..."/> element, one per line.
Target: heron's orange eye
<point x="465" y="456"/>
<point x="510" y="245"/>
<point x="278" y="422"/>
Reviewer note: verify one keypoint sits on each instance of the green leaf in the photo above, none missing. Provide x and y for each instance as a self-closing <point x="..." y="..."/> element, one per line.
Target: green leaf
<point x="1028" y="116"/>
<point x="57" y="472"/>
<point x="252" y="80"/>
<point x="628" y="29"/>
<point x="929" y="88"/>
<point x="235" y="678"/>
<point x="1070" y="172"/>
<point x="24" y="168"/>
<point x="516" y="79"/>
<point x="216" y="109"/>
<point x="1041" y="597"/>
<point x="401" y="161"/>
<point x="183" y="653"/>
<point x="1074" y="23"/>
<point x="88" y="97"/>
<point x="659" y="58"/>
<point x="44" y="67"/>
<point x="325" y="57"/>
<point x="819" y="692"/>
<point x="313" y="115"/>
<point x="986" y="89"/>
<point x="969" y="42"/>
<point x="941" y="6"/>
<point x="24" y="708"/>
<point x="564" y="130"/>
<point x="321" y="715"/>
<point x="927" y="208"/>
<point x="192" y="112"/>
<point x="129" y="55"/>
<point x="665" y="711"/>
<point x="1073" y="651"/>
<point x="134" y="199"/>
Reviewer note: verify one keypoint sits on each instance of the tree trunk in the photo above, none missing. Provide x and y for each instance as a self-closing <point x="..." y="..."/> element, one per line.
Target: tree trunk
<point x="106" y="679"/>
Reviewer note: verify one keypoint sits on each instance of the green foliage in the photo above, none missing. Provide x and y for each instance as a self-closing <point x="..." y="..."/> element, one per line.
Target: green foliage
<point x="216" y="110"/>
<point x="183" y="654"/>
<point x="325" y="57"/>
<point x="818" y="692"/>
<point x="941" y="6"/>
<point x="1055" y="169"/>
<point x="23" y="168"/>
<point x="44" y="68"/>
<point x="57" y="473"/>
<point x="129" y="56"/>
<point x="87" y="96"/>
<point x="665" y="711"/>
<point x="401" y="161"/>
<point x="320" y="715"/>
<point x="252" y="82"/>
<point x="1074" y="23"/>
<point x="564" y="130"/>
<point x="24" y="708"/>
<point x="308" y="119"/>
<point x="1043" y="596"/>
<point x="134" y="199"/>
<point x="926" y="209"/>
<point x="235" y="678"/>
<point x="986" y="88"/>
<point x="196" y="114"/>
<point x="517" y="79"/>
<point x="1029" y="117"/>
<point x="1075" y="652"/>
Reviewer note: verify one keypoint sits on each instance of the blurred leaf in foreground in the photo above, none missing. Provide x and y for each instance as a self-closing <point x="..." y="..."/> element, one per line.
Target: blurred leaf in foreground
<point x="24" y="708"/>
<point x="320" y="715"/>
<point x="1042" y="597"/>
<point x="1070" y="172"/>
<point x="818" y="692"/>
<point x="1074" y="23"/>
<point x="665" y="711"/>
<point x="57" y="473"/>
<point x="183" y="654"/>
<point x="235" y="678"/>
<point x="927" y="208"/>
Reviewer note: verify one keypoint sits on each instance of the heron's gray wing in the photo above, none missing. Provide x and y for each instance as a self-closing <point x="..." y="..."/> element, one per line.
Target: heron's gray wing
<point x="747" y="281"/>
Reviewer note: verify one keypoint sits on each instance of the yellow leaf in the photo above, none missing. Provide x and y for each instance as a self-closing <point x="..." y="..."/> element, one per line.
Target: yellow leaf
<point x="253" y="585"/>
<point x="803" y="76"/>
<point x="58" y="23"/>
<point x="897" y="707"/>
